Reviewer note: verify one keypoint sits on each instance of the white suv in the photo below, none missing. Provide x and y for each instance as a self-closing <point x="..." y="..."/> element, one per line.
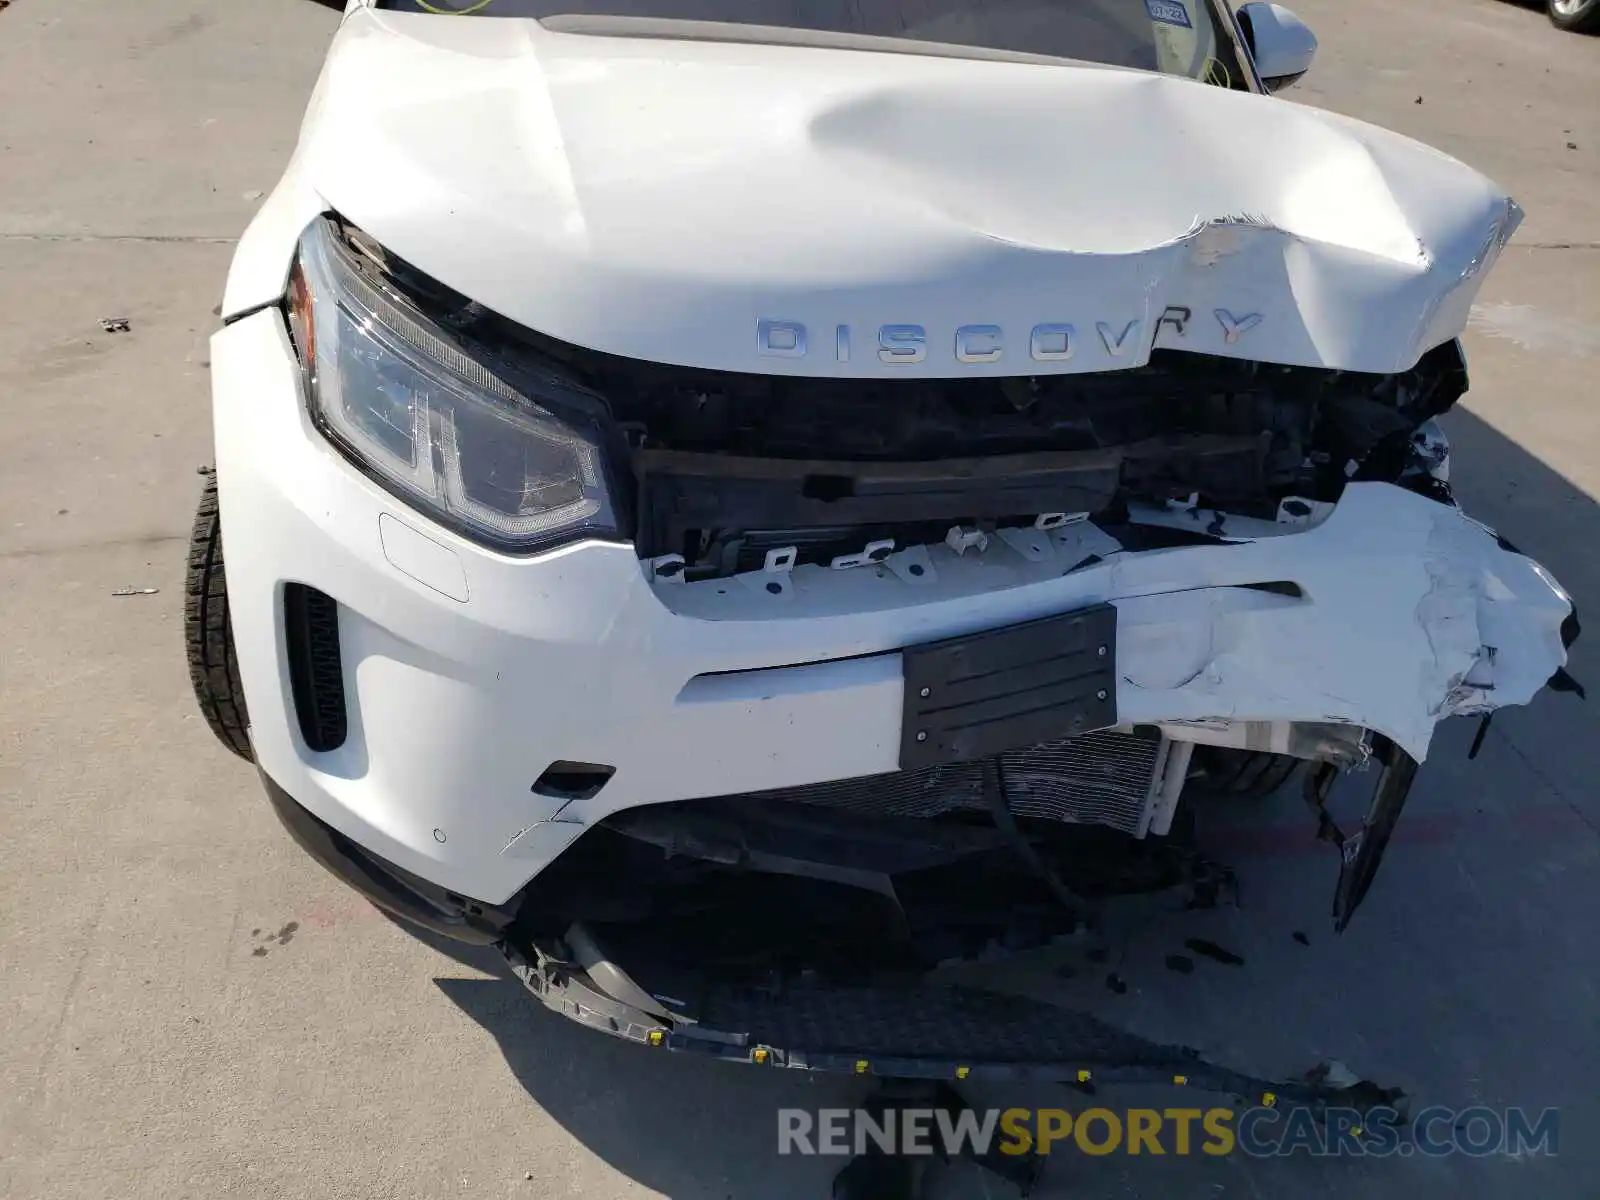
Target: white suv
<point x="716" y="492"/>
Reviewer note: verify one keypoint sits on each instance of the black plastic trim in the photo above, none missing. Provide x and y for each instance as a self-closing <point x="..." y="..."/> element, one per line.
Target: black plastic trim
<point x="680" y="491"/>
<point x="1008" y="689"/>
<point x="233" y="318"/>
<point x="565" y="988"/>
<point x="316" y="667"/>
<point x="563" y="780"/>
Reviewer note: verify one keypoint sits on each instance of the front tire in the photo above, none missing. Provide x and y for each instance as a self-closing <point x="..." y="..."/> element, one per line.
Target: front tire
<point x="208" y="631"/>
<point x="1575" y="16"/>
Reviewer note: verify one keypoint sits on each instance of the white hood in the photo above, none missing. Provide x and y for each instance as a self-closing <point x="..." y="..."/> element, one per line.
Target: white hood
<point x="657" y="199"/>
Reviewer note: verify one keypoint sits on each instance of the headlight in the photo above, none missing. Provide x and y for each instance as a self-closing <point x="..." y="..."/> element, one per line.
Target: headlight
<point x="458" y="435"/>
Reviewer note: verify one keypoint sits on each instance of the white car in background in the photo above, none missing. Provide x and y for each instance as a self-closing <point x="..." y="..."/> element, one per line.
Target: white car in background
<point x="740" y="502"/>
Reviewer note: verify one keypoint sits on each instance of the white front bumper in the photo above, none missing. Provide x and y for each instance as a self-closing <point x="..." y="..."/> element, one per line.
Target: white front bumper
<point x="467" y="673"/>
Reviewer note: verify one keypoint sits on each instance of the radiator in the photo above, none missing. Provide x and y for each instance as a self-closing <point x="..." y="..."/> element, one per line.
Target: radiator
<point x="1108" y="778"/>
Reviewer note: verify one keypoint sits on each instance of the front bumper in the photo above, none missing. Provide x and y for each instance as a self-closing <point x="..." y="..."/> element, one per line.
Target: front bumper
<point x="397" y="892"/>
<point x="466" y="674"/>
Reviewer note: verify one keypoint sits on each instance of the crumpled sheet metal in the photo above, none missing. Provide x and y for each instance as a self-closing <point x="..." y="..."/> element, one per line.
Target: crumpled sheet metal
<point x="1410" y="612"/>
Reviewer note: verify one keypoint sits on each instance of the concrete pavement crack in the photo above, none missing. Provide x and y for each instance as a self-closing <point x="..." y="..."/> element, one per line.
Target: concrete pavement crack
<point x="141" y="539"/>
<point x="1554" y="787"/>
<point x="156" y="238"/>
<point x="52" y="1043"/>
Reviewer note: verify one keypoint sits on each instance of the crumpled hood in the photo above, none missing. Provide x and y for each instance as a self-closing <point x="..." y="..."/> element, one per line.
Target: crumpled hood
<point x="659" y="199"/>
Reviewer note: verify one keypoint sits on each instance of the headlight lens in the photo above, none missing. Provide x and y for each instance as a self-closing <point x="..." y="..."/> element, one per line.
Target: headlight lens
<point x="464" y="442"/>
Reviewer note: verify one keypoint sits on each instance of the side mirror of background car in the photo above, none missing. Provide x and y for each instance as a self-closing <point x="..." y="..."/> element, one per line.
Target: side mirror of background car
<point x="1281" y="43"/>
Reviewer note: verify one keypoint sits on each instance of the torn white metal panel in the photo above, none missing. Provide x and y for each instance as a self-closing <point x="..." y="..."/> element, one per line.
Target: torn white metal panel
<point x="1486" y="655"/>
<point x="1410" y="612"/>
<point x="657" y="199"/>
<point x="1399" y="599"/>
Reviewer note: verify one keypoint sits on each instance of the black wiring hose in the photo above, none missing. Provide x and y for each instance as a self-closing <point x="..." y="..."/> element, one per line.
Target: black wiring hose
<point x="1082" y="911"/>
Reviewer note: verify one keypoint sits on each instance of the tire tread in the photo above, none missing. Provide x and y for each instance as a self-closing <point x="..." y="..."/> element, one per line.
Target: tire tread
<point x="208" y="631"/>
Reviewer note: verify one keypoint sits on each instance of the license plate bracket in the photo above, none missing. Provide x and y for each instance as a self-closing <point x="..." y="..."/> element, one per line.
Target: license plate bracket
<point x="1008" y="689"/>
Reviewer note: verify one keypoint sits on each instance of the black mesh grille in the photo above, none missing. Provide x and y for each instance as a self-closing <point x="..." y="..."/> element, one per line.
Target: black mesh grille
<point x="1101" y="778"/>
<point x="311" y="630"/>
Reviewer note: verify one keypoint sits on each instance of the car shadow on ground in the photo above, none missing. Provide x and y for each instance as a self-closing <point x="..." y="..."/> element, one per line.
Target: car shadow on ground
<point x="682" y="1127"/>
<point x="480" y="958"/>
<point x="1463" y="980"/>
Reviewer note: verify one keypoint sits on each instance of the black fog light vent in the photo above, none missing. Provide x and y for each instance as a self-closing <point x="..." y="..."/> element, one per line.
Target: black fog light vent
<point x="573" y="780"/>
<point x="316" y="674"/>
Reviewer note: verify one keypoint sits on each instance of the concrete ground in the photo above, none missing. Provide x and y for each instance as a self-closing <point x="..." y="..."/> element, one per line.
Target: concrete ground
<point x="190" y="1008"/>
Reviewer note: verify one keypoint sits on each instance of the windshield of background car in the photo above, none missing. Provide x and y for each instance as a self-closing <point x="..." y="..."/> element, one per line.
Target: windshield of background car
<point x="1177" y="37"/>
